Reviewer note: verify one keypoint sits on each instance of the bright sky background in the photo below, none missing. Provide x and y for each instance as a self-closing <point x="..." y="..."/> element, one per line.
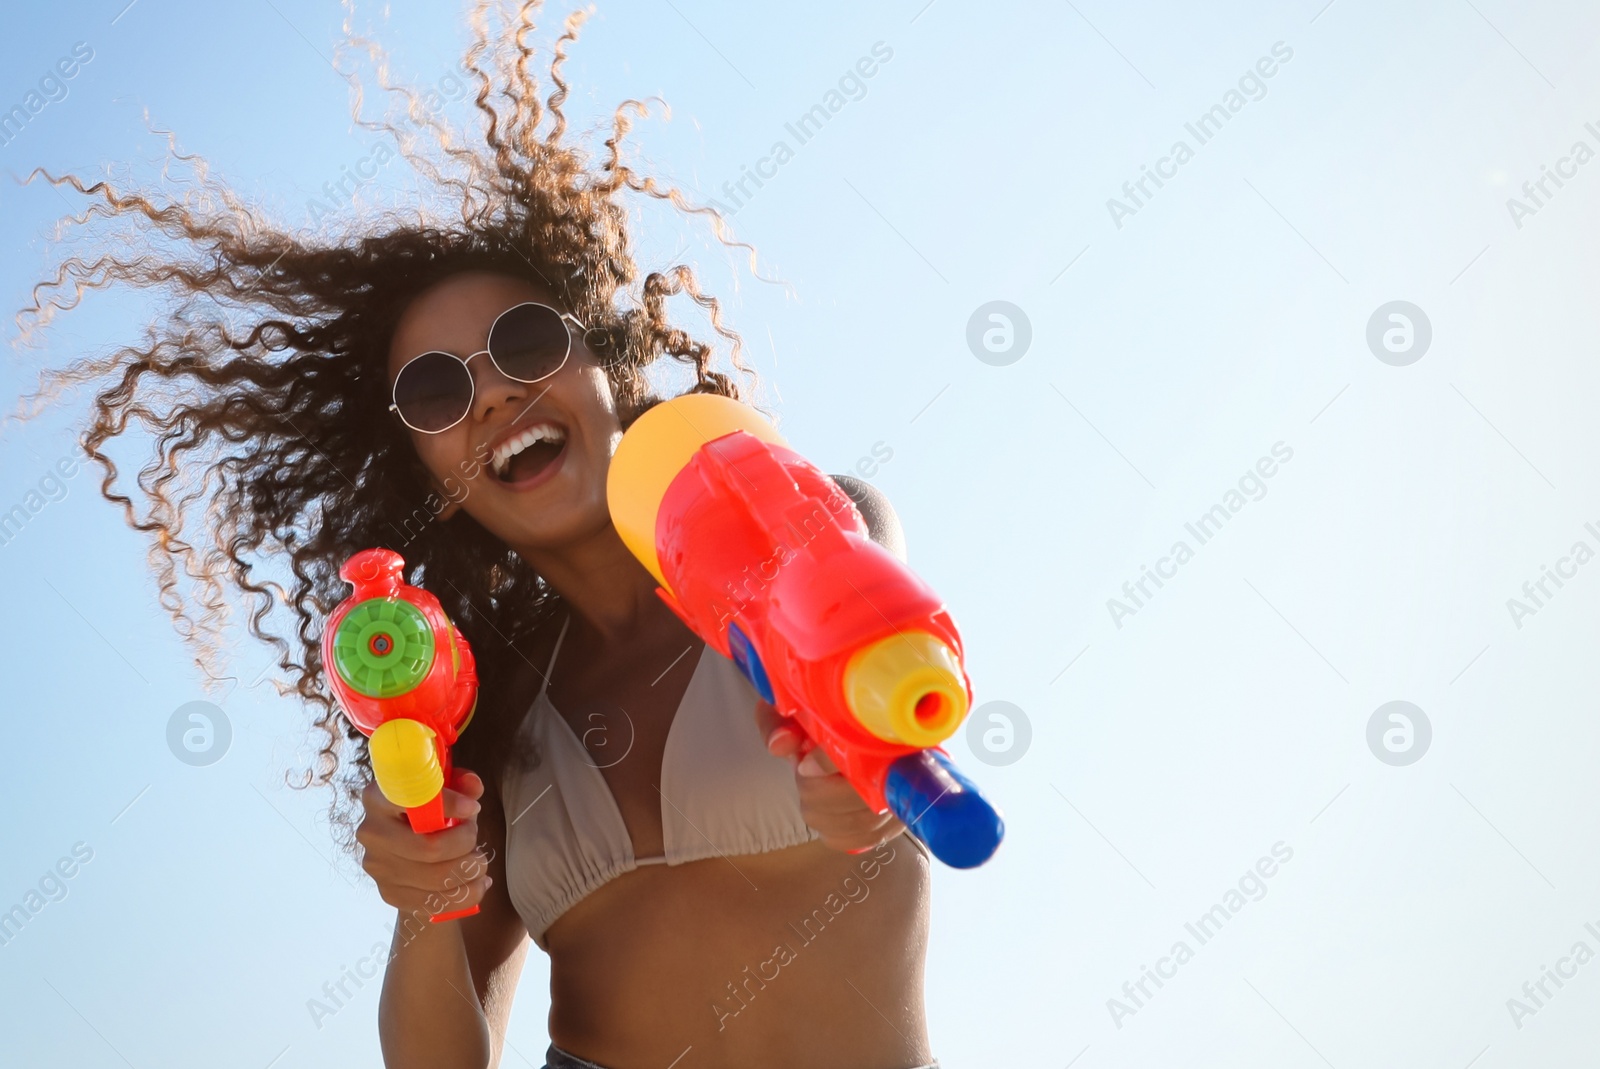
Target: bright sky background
<point x="1171" y="748"/>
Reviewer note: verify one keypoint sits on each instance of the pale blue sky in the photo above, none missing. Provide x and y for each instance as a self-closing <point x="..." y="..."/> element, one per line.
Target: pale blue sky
<point x="1172" y="748"/>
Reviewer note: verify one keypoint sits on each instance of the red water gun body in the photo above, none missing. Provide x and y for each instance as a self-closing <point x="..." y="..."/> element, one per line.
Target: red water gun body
<point x="406" y="679"/>
<point x="765" y="558"/>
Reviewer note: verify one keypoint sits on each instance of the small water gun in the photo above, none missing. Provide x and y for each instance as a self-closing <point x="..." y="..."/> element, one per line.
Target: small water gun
<point x="406" y="679"/>
<point x="766" y="559"/>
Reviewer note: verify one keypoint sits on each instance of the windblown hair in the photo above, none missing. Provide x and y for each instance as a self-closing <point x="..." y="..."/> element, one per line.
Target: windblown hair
<point x="263" y="380"/>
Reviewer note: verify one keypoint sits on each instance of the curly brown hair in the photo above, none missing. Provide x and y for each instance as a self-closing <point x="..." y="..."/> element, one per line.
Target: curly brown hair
<point x="263" y="382"/>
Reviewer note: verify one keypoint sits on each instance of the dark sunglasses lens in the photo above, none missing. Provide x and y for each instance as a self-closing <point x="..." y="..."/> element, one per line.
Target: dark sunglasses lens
<point x="529" y="342"/>
<point x="433" y="391"/>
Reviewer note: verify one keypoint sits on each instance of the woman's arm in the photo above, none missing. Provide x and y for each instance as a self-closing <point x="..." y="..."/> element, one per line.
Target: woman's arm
<point x="497" y="944"/>
<point x="448" y="989"/>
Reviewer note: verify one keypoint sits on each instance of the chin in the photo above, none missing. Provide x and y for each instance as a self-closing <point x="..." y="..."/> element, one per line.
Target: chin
<point x="557" y="532"/>
<point x="555" y="525"/>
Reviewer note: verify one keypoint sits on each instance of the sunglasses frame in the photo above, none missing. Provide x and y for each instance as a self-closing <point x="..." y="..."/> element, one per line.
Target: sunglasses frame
<point x="394" y="405"/>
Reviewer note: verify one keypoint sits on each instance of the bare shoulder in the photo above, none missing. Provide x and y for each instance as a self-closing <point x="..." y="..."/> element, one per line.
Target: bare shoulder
<point x="882" y="523"/>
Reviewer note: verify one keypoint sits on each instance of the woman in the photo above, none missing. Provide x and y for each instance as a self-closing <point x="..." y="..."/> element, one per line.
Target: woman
<point x="452" y="386"/>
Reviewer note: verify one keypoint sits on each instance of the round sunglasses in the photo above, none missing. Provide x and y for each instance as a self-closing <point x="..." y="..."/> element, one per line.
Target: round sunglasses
<point x="527" y="342"/>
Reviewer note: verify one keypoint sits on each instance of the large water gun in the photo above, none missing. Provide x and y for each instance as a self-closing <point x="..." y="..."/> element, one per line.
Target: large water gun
<point x="407" y="680"/>
<point x="766" y="559"/>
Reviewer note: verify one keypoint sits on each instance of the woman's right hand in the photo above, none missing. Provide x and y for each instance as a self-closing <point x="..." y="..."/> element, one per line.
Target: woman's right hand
<point x="428" y="874"/>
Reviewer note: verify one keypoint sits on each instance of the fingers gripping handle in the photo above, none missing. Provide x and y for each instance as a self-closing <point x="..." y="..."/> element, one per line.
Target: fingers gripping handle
<point x="943" y="808"/>
<point x="410" y="771"/>
<point x="430" y="818"/>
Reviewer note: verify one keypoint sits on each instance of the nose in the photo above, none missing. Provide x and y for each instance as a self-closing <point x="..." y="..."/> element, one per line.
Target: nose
<point x="492" y="391"/>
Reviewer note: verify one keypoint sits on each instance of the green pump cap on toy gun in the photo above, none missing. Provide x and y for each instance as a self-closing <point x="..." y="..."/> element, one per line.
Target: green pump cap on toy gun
<point x="383" y="648"/>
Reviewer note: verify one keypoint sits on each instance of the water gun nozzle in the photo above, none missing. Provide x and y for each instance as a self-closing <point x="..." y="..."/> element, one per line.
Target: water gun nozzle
<point x="907" y="689"/>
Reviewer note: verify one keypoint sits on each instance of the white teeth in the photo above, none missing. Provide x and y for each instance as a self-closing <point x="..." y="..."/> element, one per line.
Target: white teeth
<point x="539" y="432"/>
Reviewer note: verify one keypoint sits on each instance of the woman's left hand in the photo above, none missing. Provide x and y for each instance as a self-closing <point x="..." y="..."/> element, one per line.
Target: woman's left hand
<point x="830" y="806"/>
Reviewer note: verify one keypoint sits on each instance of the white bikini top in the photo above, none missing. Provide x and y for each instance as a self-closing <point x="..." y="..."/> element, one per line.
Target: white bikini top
<point x="722" y="794"/>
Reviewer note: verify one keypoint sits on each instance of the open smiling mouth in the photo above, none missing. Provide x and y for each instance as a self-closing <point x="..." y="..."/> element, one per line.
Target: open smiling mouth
<point x="528" y="454"/>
